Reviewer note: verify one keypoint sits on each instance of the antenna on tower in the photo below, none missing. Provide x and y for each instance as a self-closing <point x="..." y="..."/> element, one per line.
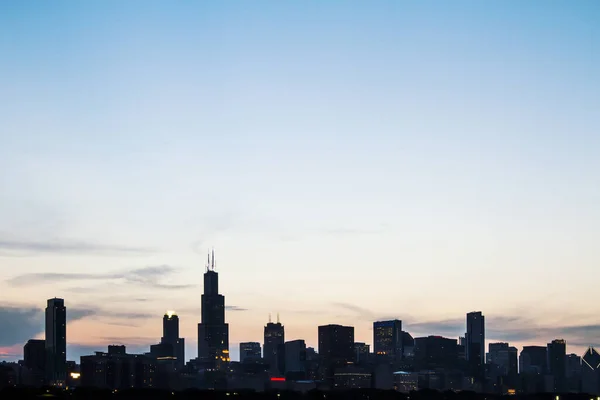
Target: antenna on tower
<point x="269" y="317"/>
<point x="213" y="259"/>
<point x="278" y="318"/>
<point x="208" y="261"/>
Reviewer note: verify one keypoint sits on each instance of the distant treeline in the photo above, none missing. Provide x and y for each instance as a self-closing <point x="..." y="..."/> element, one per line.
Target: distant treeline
<point x="362" y="394"/>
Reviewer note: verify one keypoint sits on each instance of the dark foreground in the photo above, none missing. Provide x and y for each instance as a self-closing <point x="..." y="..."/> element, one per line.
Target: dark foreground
<point x="367" y="394"/>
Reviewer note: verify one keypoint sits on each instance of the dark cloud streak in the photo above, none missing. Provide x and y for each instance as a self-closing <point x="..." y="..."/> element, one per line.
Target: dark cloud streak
<point x="235" y="308"/>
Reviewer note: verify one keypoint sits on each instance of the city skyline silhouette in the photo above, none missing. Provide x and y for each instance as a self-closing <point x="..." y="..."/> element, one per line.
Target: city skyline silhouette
<point x="350" y="162"/>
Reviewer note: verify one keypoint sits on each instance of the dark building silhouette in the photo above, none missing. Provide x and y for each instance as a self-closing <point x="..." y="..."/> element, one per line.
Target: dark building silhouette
<point x="295" y="359"/>
<point x="533" y="360"/>
<point x="336" y="348"/>
<point x="117" y="349"/>
<point x="462" y="344"/>
<point x="361" y="353"/>
<point x="56" y="342"/>
<point x="475" y="345"/>
<point x="171" y="338"/>
<point x="8" y="375"/>
<point x="590" y="372"/>
<point x="118" y="370"/>
<point x="274" y="338"/>
<point x="557" y="364"/>
<point x="387" y="340"/>
<point x="503" y="367"/>
<point x="533" y="365"/>
<point x="213" y="332"/>
<point x="574" y="369"/>
<point x="435" y="352"/>
<point x="408" y="345"/>
<point x="250" y="352"/>
<point x="34" y="354"/>
<point x="34" y="360"/>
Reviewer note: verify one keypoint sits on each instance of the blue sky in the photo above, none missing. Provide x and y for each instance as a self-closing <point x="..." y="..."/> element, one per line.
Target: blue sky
<point x="346" y="159"/>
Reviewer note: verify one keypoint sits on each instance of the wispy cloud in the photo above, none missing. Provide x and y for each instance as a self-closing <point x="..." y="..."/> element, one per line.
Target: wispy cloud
<point x="22" y="248"/>
<point x="235" y="308"/>
<point x="359" y="312"/>
<point x="152" y="276"/>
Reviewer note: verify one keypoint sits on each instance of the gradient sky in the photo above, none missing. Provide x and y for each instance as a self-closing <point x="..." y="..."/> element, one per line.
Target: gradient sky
<point x="348" y="161"/>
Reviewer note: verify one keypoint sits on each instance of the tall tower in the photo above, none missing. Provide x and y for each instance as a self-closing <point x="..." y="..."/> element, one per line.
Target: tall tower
<point x="213" y="332"/>
<point x="475" y="348"/>
<point x="274" y="335"/>
<point x="56" y="342"/>
<point x="171" y="337"/>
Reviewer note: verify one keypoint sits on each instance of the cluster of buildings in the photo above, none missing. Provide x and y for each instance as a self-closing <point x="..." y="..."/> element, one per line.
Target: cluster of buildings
<point x="396" y="360"/>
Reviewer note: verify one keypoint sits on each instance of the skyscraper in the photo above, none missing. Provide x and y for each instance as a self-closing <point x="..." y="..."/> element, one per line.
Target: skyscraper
<point x="433" y="352"/>
<point x="574" y="369"/>
<point x="34" y="359"/>
<point x="34" y="354"/>
<point x="336" y="347"/>
<point x="387" y="340"/>
<point x="295" y="359"/>
<point x="171" y="337"/>
<point x="502" y="366"/>
<point x="557" y="364"/>
<point x="475" y="345"/>
<point x="56" y="342"/>
<point x="274" y="338"/>
<point x="213" y="332"/>
<point x="533" y="364"/>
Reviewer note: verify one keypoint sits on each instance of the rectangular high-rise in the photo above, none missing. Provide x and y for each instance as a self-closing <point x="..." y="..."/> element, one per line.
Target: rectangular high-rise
<point x="435" y="352"/>
<point x="387" y="340"/>
<point x="475" y="345"/>
<point x="56" y="342"/>
<point x="361" y="353"/>
<point x="533" y="360"/>
<point x="274" y="338"/>
<point x="557" y="364"/>
<point x="336" y="347"/>
<point x="34" y="359"/>
<point x="295" y="358"/>
<point x="502" y="366"/>
<point x="171" y="338"/>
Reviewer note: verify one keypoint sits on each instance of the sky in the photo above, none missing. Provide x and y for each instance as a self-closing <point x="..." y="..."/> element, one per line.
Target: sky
<point x="347" y="160"/>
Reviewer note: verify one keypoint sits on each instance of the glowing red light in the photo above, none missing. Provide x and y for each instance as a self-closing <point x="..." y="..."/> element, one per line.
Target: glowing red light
<point x="276" y="379"/>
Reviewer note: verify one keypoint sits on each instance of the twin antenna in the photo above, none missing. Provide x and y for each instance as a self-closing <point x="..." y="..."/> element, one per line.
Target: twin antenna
<point x="272" y="321"/>
<point x="210" y="264"/>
